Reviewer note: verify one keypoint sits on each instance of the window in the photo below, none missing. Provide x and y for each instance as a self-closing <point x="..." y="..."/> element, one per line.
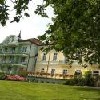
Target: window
<point x="42" y="70"/>
<point x="24" y="49"/>
<point x="67" y="60"/>
<point x="52" y="71"/>
<point x="44" y="57"/>
<point x="5" y="49"/>
<point x="0" y="50"/>
<point x="55" y="56"/>
<point x="13" y="49"/>
<point x="12" y="39"/>
<point x="96" y="72"/>
<point x="78" y="72"/>
<point x="12" y="59"/>
<point x="64" y="72"/>
<point x="23" y="59"/>
<point x="3" y="59"/>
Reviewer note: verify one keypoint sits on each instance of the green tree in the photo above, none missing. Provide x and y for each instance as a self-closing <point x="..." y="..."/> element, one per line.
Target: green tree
<point x="76" y="29"/>
<point x="19" y="6"/>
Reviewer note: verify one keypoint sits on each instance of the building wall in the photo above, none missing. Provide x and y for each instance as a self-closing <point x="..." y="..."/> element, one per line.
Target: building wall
<point x="59" y="65"/>
<point x="32" y="57"/>
<point x="22" y="57"/>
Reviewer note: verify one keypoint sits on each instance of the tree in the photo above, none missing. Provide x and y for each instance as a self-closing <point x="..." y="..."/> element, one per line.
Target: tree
<point x="76" y="29"/>
<point x="18" y="5"/>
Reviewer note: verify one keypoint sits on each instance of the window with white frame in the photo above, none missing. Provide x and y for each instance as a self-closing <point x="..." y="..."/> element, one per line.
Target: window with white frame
<point x="64" y="72"/>
<point x="55" y="56"/>
<point x="52" y="71"/>
<point x="95" y="72"/>
<point x="24" y="49"/>
<point x="44" y="57"/>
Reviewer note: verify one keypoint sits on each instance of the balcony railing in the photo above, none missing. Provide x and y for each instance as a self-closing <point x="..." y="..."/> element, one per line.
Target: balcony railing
<point x="13" y="62"/>
<point x="14" y="53"/>
<point x="49" y="75"/>
<point x="52" y="62"/>
<point x="10" y="44"/>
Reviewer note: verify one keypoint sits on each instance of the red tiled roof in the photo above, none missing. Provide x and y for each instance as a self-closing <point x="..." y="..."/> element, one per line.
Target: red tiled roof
<point x="33" y="41"/>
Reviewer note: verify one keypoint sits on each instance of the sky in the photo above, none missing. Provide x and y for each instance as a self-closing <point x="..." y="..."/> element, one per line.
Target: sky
<point x="30" y="27"/>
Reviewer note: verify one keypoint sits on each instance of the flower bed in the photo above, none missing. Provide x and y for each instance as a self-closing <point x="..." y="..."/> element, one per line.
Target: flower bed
<point x="16" y="78"/>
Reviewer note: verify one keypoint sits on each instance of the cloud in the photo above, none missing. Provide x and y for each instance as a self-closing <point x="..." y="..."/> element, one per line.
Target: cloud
<point x="30" y="27"/>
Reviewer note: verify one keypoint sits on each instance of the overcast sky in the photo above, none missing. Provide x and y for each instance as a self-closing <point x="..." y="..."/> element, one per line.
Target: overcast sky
<point x="30" y="27"/>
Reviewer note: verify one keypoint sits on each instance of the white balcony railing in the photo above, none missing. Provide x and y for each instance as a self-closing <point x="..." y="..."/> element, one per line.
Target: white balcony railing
<point x="52" y="62"/>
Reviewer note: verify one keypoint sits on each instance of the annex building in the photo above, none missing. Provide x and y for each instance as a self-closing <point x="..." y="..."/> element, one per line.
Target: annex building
<point x="17" y="54"/>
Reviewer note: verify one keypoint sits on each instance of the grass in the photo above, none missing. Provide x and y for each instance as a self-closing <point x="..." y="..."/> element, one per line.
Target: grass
<point x="12" y="90"/>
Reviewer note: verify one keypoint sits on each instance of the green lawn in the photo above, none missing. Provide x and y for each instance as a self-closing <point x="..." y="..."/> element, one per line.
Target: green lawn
<point x="12" y="90"/>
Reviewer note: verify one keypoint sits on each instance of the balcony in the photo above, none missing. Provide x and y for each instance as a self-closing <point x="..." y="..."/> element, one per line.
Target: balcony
<point x="14" y="53"/>
<point x="52" y="62"/>
<point x="14" y="62"/>
<point x="62" y="62"/>
<point x="24" y="62"/>
<point x="10" y="44"/>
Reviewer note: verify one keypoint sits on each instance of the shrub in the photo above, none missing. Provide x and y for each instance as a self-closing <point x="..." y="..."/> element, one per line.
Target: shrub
<point x="81" y="82"/>
<point x="15" y="78"/>
<point x="70" y="82"/>
<point x="67" y="82"/>
<point x="2" y="76"/>
<point x="89" y="78"/>
<point x="22" y="73"/>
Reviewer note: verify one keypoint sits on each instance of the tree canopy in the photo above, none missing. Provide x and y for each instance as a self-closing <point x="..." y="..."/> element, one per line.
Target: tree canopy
<point x="76" y="26"/>
<point x="76" y="29"/>
<point x="19" y="6"/>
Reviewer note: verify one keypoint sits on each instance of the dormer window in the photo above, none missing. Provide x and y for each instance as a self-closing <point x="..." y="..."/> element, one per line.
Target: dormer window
<point x="55" y="57"/>
<point x="44" y="57"/>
